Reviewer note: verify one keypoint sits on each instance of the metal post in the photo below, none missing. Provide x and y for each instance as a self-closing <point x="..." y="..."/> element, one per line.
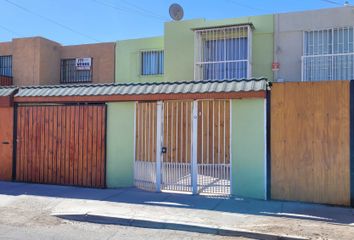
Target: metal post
<point x="159" y="142"/>
<point x="194" y="148"/>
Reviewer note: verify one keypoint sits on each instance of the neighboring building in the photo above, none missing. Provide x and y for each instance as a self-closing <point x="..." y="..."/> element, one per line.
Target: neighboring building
<point x="39" y="61"/>
<point x="200" y="50"/>
<point x="315" y="45"/>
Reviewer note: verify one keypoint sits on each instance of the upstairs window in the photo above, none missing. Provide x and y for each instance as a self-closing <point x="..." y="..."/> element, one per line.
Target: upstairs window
<point x="222" y="53"/>
<point x="77" y="70"/>
<point x="6" y="66"/>
<point x="328" y="54"/>
<point x="152" y="62"/>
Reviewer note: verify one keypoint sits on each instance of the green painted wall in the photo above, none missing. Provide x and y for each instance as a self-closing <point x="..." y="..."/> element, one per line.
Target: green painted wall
<point x="120" y="144"/>
<point x="178" y="43"/>
<point x="248" y="148"/>
<point x="179" y="46"/>
<point x="128" y="59"/>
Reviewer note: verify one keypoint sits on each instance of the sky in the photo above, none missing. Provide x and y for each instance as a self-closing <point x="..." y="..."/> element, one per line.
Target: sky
<point x="70" y="22"/>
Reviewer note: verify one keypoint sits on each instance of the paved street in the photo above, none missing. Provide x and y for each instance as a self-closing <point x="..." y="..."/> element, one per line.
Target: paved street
<point x="30" y="211"/>
<point x="88" y="231"/>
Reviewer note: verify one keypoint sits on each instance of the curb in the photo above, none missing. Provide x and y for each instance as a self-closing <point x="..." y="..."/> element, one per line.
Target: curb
<point x="188" y="227"/>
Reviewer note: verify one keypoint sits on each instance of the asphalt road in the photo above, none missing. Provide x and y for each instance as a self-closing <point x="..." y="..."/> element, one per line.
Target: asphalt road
<point x="89" y="231"/>
<point x="26" y="217"/>
<point x="34" y="211"/>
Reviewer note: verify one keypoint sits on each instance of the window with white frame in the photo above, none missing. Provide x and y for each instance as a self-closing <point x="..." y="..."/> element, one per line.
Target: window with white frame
<point x="6" y="66"/>
<point x="328" y="54"/>
<point x="222" y="53"/>
<point x="152" y="62"/>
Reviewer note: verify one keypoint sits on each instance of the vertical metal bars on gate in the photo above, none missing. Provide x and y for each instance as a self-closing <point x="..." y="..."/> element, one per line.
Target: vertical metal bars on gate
<point x="145" y="146"/>
<point x="183" y="146"/>
<point x="176" y="166"/>
<point x="213" y="159"/>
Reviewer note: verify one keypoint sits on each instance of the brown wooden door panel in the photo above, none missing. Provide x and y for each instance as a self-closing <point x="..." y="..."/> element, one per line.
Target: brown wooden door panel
<point x="310" y="142"/>
<point x="6" y="144"/>
<point x="61" y="145"/>
<point x="177" y="131"/>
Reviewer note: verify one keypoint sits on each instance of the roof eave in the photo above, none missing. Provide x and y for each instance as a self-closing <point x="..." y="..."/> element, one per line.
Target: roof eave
<point x="225" y="26"/>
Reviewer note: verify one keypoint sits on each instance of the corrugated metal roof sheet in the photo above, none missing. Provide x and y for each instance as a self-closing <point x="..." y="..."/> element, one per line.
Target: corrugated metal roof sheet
<point x="7" y="91"/>
<point x="241" y="85"/>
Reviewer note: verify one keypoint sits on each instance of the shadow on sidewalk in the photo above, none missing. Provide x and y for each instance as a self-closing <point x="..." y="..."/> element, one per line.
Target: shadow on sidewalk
<point x="294" y="210"/>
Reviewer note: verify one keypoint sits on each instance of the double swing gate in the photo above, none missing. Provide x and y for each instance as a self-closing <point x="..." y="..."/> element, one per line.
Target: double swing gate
<point x="183" y="146"/>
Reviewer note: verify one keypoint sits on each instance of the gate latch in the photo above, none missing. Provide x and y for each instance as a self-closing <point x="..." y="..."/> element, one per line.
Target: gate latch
<point x="163" y="150"/>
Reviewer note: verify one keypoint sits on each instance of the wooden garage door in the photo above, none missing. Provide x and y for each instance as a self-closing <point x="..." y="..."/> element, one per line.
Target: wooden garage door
<point x="61" y="145"/>
<point x="310" y="142"/>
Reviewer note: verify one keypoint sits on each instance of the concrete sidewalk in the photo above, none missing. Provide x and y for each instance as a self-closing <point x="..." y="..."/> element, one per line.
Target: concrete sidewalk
<point x="215" y="215"/>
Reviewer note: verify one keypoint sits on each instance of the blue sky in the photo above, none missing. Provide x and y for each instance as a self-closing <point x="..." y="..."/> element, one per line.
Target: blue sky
<point x="88" y="21"/>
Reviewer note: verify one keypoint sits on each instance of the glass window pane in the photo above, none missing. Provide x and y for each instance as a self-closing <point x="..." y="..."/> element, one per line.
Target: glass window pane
<point x="152" y="62"/>
<point x="223" y="53"/>
<point x="6" y="66"/>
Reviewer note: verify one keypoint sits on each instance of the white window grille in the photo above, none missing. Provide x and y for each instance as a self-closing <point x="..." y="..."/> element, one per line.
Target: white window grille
<point x="328" y="54"/>
<point x="223" y="53"/>
<point x="152" y="62"/>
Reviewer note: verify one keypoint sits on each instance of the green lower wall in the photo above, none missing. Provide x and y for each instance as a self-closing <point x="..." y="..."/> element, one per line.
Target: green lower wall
<point x="248" y="148"/>
<point x="120" y="144"/>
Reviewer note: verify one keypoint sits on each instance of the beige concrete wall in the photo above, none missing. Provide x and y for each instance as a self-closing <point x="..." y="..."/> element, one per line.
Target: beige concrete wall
<point x="103" y="59"/>
<point x="289" y="30"/>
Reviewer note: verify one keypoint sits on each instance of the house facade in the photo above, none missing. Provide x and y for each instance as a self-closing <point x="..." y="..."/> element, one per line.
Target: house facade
<point x="39" y="61"/>
<point x="200" y="50"/>
<point x="299" y="46"/>
<point x="191" y="111"/>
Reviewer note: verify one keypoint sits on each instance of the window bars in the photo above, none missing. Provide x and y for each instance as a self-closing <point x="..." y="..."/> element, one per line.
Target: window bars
<point x="6" y="66"/>
<point x="152" y="62"/>
<point x="70" y="74"/>
<point x="328" y="54"/>
<point x="223" y="53"/>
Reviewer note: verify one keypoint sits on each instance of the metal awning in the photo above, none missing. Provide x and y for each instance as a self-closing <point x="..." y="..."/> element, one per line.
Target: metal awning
<point x="185" y="87"/>
<point x="6" y="95"/>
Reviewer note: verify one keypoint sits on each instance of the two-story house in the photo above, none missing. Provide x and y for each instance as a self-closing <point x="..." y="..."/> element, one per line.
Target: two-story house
<point x="297" y="46"/>
<point x="39" y="61"/>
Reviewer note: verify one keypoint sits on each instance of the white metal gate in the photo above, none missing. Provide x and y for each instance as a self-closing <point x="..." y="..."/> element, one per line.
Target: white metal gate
<point x="214" y="146"/>
<point x="177" y="144"/>
<point x="145" y="165"/>
<point x="183" y="146"/>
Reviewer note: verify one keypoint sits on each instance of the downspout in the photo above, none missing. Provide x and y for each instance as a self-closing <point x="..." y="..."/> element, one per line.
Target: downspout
<point x="275" y="45"/>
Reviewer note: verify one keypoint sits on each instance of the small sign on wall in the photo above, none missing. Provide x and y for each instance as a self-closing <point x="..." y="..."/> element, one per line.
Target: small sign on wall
<point x="275" y="66"/>
<point x="83" y="63"/>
